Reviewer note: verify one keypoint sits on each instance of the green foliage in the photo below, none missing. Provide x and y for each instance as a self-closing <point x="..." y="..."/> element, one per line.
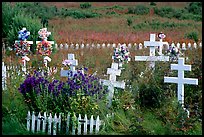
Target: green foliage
<point x="195" y="8"/>
<point x="139" y="10"/>
<point x="129" y="21"/>
<point x="85" y="5"/>
<point x="152" y="4"/>
<point x="192" y="35"/>
<point x="181" y="14"/>
<point x="78" y="14"/>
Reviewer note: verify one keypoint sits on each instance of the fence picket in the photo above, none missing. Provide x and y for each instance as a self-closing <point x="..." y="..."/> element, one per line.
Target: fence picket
<point x="55" y="125"/>
<point x="33" y="122"/>
<point x="79" y="124"/>
<point x="49" y="124"/>
<point x="68" y="120"/>
<point x="91" y="124"/>
<point x="85" y="124"/>
<point x="28" y="121"/>
<point x="97" y="125"/>
<point x="38" y="122"/>
<point x="44" y="122"/>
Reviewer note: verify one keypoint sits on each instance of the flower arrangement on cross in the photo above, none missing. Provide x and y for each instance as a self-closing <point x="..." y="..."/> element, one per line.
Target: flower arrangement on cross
<point x="121" y="55"/>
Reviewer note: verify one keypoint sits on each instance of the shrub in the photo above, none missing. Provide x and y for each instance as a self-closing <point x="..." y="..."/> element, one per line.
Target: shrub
<point x="152" y="4"/>
<point x="192" y="35"/>
<point x="164" y="11"/>
<point x="195" y="8"/>
<point x="85" y="5"/>
<point x="139" y="10"/>
<point x="79" y="14"/>
<point x="129" y="21"/>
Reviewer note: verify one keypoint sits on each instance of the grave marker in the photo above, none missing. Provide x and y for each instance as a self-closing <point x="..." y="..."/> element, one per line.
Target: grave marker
<point x="152" y="58"/>
<point x="180" y="80"/>
<point x="111" y="83"/>
<point x="73" y="63"/>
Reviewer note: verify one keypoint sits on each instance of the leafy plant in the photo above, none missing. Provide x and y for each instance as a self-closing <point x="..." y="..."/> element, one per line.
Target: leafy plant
<point x="85" y="5"/>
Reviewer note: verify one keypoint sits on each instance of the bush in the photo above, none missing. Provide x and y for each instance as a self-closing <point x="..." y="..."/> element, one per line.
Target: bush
<point x="192" y="35"/>
<point x="152" y="4"/>
<point x="139" y="10"/>
<point x="164" y="11"/>
<point x="129" y="21"/>
<point x="195" y="8"/>
<point x="85" y="5"/>
<point x="78" y="14"/>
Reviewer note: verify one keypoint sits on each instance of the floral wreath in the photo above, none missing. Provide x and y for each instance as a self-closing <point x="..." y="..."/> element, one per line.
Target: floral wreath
<point x="44" y="47"/>
<point x="121" y="54"/>
<point x="22" y="48"/>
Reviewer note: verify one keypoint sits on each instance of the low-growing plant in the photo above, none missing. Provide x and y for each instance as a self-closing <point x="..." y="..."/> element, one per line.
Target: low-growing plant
<point x="192" y="35"/>
<point x="85" y="5"/>
<point x="139" y="10"/>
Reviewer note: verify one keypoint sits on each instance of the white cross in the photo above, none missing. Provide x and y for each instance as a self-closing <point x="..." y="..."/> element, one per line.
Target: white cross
<point x="152" y="58"/>
<point x="111" y="83"/>
<point x="24" y="59"/>
<point x="180" y="80"/>
<point x="73" y="62"/>
<point x="46" y="58"/>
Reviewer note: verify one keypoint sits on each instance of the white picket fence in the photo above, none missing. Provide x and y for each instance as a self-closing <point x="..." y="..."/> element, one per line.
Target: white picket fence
<point x="9" y="71"/>
<point x="53" y="125"/>
<point x="134" y="46"/>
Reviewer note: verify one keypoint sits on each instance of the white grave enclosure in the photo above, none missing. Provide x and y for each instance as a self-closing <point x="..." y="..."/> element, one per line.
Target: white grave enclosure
<point x="152" y="58"/>
<point x="73" y="64"/>
<point x="111" y="83"/>
<point x="180" y="80"/>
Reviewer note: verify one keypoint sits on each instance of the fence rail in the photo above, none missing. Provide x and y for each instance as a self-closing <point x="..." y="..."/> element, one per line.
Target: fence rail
<point x="53" y="125"/>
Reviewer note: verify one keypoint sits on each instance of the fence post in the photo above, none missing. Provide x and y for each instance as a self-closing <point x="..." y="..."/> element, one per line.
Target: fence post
<point x="49" y="124"/>
<point x="59" y="121"/>
<point x="68" y="120"/>
<point x="28" y="121"/>
<point x="79" y="125"/>
<point x="33" y="122"/>
<point x="44" y="122"/>
<point x="38" y="122"/>
<point x="97" y="124"/>
<point x="85" y="124"/>
<point x="91" y="124"/>
<point x="55" y="124"/>
<point x="73" y="124"/>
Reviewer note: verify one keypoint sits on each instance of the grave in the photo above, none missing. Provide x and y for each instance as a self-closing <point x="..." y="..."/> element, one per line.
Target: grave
<point x="23" y="35"/>
<point x="46" y="45"/>
<point x="111" y="83"/>
<point x="180" y="80"/>
<point x="152" y="58"/>
<point x="72" y="63"/>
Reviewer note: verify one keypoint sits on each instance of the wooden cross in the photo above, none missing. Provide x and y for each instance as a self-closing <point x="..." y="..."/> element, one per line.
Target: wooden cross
<point x="180" y="80"/>
<point x="73" y="63"/>
<point x="111" y="83"/>
<point x="152" y="58"/>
